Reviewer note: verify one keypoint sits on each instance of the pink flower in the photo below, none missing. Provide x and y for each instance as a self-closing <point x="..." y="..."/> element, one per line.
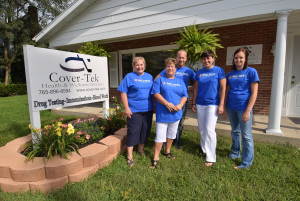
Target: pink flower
<point x="109" y="119"/>
<point x="79" y="132"/>
<point x="118" y="107"/>
<point x="53" y="120"/>
<point x="78" y="120"/>
<point x="61" y="119"/>
<point x="65" y="126"/>
<point x="77" y="136"/>
<point x="113" y="97"/>
<point x="87" y="136"/>
<point x="102" y="128"/>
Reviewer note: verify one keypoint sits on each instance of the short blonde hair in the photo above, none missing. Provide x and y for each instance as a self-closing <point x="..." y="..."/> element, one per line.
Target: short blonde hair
<point x="135" y="60"/>
<point x="170" y="61"/>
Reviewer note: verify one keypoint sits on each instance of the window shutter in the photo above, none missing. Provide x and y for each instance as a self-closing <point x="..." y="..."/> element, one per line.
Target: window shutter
<point x="113" y="70"/>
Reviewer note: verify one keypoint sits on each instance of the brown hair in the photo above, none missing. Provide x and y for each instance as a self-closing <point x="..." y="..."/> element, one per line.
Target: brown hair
<point x="207" y="53"/>
<point x="170" y="61"/>
<point x="246" y="53"/>
<point x="135" y="59"/>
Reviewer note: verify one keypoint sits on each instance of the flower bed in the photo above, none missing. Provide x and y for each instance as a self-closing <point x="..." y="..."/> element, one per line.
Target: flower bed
<point x="16" y="175"/>
<point x="62" y="152"/>
<point x="59" y="138"/>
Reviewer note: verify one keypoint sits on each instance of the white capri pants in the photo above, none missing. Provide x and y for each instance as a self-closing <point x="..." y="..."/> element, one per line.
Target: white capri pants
<point x="166" y="130"/>
<point x="207" y="119"/>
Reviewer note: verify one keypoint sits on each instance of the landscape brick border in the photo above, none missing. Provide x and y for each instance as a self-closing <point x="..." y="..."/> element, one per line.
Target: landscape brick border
<point x="18" y="176"/>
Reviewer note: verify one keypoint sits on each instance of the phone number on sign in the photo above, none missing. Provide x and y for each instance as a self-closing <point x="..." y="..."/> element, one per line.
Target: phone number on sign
<point x="54" y="91"/>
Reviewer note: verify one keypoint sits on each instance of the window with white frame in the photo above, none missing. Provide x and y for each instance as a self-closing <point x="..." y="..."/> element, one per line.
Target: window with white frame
<point x="154" y="57"/>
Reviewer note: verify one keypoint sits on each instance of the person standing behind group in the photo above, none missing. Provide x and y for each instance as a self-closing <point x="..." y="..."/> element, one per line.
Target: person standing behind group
<point x="184" y="73"/>
<point x="170" y="94"/>
<point x="208" y="102"/>
<point x="138" y="104"/>
<point x="242" y="87"/>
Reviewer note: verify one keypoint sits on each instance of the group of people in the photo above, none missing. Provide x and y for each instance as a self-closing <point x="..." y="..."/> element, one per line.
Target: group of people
<point x="214" y="95"/>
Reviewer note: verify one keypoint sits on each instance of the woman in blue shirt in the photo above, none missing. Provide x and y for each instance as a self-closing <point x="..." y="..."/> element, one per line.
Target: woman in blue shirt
<point x="241" y="93"/>
<point x="138" y="104"/>
<point x="170" y="94"/>
<point x="208" y="102"/>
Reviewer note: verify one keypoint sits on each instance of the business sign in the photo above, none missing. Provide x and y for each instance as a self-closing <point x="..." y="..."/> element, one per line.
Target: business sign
<point x="58" y="79"/>
<point x="255" y="53"/>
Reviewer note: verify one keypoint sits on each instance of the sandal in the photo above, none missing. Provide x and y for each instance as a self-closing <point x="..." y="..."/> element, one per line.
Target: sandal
<point x="129" y="162"/>
<point x="209" y="164"/>
<point x="154" y="164"/>
<point x="169" y="155"/>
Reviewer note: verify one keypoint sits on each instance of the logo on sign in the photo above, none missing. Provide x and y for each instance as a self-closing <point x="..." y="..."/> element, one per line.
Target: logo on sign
<point x="75" y="69"/>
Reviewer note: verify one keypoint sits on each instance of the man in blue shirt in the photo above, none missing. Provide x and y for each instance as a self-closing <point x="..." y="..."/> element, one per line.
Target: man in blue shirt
<point x="185" y="74"/>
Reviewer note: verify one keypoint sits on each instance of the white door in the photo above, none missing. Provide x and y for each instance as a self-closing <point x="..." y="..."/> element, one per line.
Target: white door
<point x="294" y="102"/>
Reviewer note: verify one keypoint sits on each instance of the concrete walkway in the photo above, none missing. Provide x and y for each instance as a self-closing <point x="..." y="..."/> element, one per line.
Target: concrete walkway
<point x="291" y="131"/>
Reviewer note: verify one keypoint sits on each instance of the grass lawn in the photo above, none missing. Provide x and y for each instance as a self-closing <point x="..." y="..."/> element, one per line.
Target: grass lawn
<point x="275" y="174"/>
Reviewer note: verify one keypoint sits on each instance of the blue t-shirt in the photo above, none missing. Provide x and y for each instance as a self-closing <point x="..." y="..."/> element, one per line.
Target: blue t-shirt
<point x="209" y="85"/>
<point x="240" y="82"/>
<point x="172" y="90"/>
<point x="138" y="90"/>
<point x="184" y="74"/>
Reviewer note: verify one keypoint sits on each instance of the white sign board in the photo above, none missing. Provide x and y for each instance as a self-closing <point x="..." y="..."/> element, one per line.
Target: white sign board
<point x="58" y="79"/>
<point x="255" y="53"/>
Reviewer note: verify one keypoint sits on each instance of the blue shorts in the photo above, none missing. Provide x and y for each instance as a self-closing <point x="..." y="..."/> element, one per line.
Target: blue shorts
<point x="138" y="128"/>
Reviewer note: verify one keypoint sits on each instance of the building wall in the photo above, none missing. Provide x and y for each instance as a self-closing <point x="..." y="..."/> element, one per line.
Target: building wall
<point x="243" y="34"/>
<point x="92" y="20"/>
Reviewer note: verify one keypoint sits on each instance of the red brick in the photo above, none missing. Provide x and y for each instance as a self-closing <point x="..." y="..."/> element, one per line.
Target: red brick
<point x="31" y="171"/>
<point x="9" y="185"/>
<point x="113" y="143"/>
<point x="93" y="154"/>
<point x="84" y="173"/>
<point x="59" y="167"/>
<point x="47" y="185"/>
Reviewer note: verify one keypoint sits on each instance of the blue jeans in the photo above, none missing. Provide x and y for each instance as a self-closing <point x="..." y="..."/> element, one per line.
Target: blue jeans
<point x="245" y="129"/>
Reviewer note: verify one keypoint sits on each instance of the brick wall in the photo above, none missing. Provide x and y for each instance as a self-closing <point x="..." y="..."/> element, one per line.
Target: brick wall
<point x="235" y="35"/>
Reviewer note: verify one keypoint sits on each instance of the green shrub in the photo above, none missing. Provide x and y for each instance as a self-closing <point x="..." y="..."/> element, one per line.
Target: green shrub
<point x="13" y="89"/>
<point x="55" y="139"/>
<point x="117" y="118"/>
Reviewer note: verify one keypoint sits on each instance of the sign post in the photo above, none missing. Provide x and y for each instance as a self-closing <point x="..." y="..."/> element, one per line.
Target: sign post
<point x="58" y="79"/>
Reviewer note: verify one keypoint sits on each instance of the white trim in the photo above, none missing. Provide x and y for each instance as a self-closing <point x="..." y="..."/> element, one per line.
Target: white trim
<point x="63" y="18"/>
<point x="113" y="70"/>
<point x="289" y="66"/>
<point x="149" y="49"/>
<point x="120" y="66"/>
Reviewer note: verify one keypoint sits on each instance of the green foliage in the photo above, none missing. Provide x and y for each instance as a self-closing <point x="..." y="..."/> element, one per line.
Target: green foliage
<point x="55" y="139"/>
<point x="116" y="119"/>
<point x="18" y="26"/>
<point x="61" y="139"/>
<point x="94" y="48"/>
<point x="12" y="89"/>
<point x="195" y="41"/>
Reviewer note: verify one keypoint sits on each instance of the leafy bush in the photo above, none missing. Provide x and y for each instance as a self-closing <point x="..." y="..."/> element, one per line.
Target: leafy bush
<point x="87" y="130"/>
<point x="61" y="139"/>
<point x="94" y="48"/>
<point x="12" y="89"/>
<point x="195" y="41"/>
<point x="54" y="139"/>
<point x="116" y="119"/>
